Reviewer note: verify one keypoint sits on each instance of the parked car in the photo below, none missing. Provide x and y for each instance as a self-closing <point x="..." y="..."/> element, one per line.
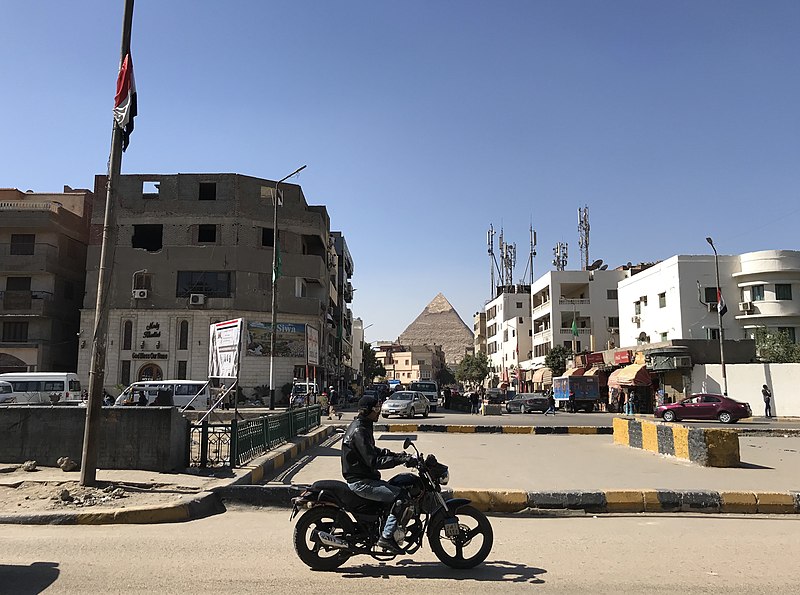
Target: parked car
<point x="705" y="406"/>
<point x="527" y="403"/>
<point x="406" y="403"/>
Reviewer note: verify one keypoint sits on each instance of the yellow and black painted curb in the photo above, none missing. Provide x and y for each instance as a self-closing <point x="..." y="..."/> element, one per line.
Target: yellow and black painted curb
<point x="705" y="446"/>
<point x="188" y="508"/>
<point x="486" y="429"/>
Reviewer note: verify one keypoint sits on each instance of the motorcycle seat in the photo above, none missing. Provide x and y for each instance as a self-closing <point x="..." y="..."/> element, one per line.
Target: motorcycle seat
<point x="342" y="492"/>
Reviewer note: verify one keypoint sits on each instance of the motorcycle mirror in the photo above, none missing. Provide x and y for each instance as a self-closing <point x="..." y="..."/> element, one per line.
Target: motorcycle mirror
<point x="406" y="443"/>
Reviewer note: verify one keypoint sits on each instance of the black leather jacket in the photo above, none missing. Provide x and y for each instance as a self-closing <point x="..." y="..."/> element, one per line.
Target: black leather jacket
<point x="361" y="459"/>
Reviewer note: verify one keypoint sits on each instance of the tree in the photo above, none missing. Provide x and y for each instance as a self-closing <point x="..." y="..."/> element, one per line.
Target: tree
<point x="473" y="369"/>
<point x="776" y="346"/>
<point x="372" y="367"/>
<point x="556" y="360"/>
<point x="445" y="377"/>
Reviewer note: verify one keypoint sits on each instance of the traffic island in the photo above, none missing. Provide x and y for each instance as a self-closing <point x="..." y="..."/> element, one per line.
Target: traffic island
<point x="703" y="446"/>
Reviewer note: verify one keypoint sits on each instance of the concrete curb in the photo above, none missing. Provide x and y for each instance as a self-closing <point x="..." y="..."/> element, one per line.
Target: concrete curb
<point x="487" y="429"/>
<point x="195" y="506"/>
<point x="590" y="502"/>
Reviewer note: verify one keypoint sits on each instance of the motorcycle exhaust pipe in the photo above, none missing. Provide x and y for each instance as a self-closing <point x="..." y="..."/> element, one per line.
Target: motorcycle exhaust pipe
<point x="332" y="541"/>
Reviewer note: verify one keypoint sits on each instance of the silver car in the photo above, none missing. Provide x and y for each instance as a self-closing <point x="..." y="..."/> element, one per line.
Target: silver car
<point x="406" y="403"/>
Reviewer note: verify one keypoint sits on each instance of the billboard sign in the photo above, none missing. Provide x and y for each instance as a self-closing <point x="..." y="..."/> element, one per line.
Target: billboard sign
<point x="223" y="348"/>
<point x="312" y="345"/>
<point x="290" y="339"/>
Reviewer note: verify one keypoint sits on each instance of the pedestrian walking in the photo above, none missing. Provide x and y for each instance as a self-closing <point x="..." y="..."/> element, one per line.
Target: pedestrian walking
<point x="551" y="404"/>
<point x="571" y="401"/>
<point x="767" y="395"/>
<point x="474" y="400"/>
<point x="622" y="405"/>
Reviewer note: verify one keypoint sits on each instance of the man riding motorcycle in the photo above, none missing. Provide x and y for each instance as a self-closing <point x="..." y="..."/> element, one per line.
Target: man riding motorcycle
<point x="361" y="461"/>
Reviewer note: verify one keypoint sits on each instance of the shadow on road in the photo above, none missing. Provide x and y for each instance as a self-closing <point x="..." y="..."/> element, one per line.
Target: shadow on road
<point x="27" y="580"/>
<point x="497" y="570"/>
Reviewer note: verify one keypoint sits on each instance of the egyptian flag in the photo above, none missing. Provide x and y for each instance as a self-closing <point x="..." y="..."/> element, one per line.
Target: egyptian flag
<point x="125" y="100"/>
<point x="721" y="307"/>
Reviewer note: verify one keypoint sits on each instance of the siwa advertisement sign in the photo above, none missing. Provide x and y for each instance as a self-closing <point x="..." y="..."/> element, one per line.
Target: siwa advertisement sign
<point x="290" y="339"/>
<point x="223" y="348"/>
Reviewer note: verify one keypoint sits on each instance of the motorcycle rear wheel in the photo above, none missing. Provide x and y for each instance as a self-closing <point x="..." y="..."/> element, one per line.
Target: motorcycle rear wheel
<point x="462" y="551"/>
<point x="309" y="549"/>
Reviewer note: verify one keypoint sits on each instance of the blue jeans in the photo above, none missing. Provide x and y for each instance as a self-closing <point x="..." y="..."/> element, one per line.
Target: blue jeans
<point x="379" y="491"/>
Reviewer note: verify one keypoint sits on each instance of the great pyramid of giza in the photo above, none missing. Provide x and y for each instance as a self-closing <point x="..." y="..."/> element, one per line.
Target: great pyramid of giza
<point x="439" y="323"/>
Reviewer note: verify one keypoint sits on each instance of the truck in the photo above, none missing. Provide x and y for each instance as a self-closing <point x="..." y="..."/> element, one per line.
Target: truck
<point x="586" y="389"/>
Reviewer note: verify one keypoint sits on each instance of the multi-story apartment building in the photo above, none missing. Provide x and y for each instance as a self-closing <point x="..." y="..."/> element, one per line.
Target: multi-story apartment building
<point x="676" y="298"/>
<point x="589" y="298"/>
<point x="43" y="238"/>
<point x="357" y="357"/>
<point x="407" y="363"/>
<point x="194" y="249"/>
<point x="342" y="314"/>
<point x="508" y="332"/>
<point x="479" y="328"/>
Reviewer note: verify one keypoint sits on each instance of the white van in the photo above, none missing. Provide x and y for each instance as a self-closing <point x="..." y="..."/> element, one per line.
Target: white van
<point x="183" y="392"/>
<point x="428" y="388"/>
<point x="44" y="387"/>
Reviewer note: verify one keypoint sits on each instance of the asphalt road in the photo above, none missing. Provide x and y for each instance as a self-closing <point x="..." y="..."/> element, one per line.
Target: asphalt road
<point x="250" y="551"/>
<point x="445" y="417"/>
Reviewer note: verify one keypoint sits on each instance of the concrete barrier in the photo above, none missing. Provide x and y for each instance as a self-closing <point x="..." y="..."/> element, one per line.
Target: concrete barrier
<point x="704" y="446"/>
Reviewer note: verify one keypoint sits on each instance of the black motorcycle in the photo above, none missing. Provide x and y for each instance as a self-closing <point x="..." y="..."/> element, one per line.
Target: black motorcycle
<point x="339" y="524"/>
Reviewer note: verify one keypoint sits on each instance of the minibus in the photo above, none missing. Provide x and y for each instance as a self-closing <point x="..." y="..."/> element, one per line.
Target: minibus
<point x="44" y="387"/>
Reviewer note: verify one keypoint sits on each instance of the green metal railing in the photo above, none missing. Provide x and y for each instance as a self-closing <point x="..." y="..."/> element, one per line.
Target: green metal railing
<point x="241" y="441"/>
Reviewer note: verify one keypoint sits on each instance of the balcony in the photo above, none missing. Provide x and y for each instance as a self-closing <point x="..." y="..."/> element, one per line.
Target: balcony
<point x="573" y="301"/>
<point x="541" y="306"/>
<point x="568" y="331"/>
<point x="542" y="336"/>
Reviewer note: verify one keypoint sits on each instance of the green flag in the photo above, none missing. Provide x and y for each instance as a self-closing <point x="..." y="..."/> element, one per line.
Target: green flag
<point x="278" y="263"/>
<point x="574" y="327"/>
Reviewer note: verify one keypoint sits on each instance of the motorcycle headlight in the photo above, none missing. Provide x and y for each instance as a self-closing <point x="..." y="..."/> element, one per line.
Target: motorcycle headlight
<point x="444" y="478"/>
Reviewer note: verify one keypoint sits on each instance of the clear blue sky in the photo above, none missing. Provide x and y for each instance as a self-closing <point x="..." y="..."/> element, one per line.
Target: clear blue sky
<point x="422" y="122"/>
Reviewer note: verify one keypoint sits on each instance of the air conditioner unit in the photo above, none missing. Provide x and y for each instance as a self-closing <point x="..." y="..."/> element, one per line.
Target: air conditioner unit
<point x="139" y="294"/>
<point x="746" y="306"/>
<point x="635" y="319"/>
<point x="196" y="299"/>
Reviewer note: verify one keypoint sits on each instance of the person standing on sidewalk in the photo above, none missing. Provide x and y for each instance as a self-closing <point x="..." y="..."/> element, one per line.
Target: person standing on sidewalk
<point x="551" y="403"/>
<point x="767" y="394"/>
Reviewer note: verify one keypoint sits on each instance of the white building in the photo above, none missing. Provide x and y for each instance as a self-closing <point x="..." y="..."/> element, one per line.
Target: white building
<point x="508" y="332"/>
<point x="589" y="298"/>
<point x="676" y="298"/>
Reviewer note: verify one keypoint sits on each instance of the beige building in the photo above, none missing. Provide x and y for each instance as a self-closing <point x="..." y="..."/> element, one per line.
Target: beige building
<point x="43" y="238"/>
<point x="193" y="249"/>
<point x="410" y="362"/>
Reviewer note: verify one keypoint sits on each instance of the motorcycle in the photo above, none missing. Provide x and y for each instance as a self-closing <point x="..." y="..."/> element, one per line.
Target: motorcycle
<point x="339" y="524"/>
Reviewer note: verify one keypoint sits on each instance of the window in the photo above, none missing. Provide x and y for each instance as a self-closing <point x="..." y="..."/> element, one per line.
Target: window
<point x="22" y="243"/>
<point x="125" y="372"/>
<point x="206" y="233"/>
<point x="148" y="237"/>
<point x="208" y="191"/>
<point x="756" y="293"/>
<point x="713" y="334"/>
<point x="783" y="291"/>
<point x="127" y="335"/>
<point x="662" y="300"/>
<point x="407" y="362"/>
<point x="18" y="284"/>
<point x="613" y="321"/>
<point x="519" y="304"/>
<point x="663" y="336"/>
<point x="150" y="190"/>
<point x="420" y="362"/>
<point x="710" y="294"/>
<point x="181" y="374"/>
<point x="209" y="283"/>
<point x="267" y="237"/>
<point x="637" y="308"/>
<point x="183" y="334"/>
<point x="789" y="332"/>
<point x="15" y="332"/>
<point x="611" y="294"/>
<point x="52" y="385"/>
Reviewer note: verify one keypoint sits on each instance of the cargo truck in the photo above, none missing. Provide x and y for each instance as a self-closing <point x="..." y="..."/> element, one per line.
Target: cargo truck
<point x="586" y="389"/>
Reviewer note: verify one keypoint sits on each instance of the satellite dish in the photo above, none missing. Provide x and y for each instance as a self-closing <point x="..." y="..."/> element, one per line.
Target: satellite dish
<point x="595" y="265"/>
<point x="604" y="267"/>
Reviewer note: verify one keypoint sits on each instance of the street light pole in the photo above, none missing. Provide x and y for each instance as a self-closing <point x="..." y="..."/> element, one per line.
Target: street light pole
<point x="274" y="313"/>
<point x="719" y="318"/>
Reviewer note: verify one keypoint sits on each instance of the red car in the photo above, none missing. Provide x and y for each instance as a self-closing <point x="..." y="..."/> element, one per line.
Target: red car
<point x="705" y="406"/>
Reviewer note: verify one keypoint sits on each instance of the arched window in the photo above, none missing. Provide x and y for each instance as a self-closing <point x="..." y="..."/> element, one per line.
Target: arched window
<point x="127" y="334"/>
<point x="183" y="334"/>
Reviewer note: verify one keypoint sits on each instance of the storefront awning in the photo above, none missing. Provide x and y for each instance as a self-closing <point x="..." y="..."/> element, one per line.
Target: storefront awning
<point x="633" y="375"/>
<point x="597" y="373"/>
<point x="574" y="372"/>
<point x="543" y="376"/>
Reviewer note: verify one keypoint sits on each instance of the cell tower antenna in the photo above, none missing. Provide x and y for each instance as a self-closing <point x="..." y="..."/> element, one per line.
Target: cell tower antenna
<point x="492" y="264"/>
<point x="583" y="236"/>
<point x="560" y="256"/>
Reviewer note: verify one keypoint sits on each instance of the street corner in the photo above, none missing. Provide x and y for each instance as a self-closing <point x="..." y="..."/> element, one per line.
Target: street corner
<point x="494" y="500"/>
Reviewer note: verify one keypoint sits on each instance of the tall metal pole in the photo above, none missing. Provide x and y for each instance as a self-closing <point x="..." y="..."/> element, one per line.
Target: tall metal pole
<point x="274" y="314"/>
<point x="98" y="361"/>
<point x="719" y="320"/>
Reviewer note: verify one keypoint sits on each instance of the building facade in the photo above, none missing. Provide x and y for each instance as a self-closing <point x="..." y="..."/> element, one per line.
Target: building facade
<point x="43" y="239"/>
<point x="194" y="249"/>
<point x="342" y="340"/>
<point x="508" y="332"/>
<point x="407" y="363"/>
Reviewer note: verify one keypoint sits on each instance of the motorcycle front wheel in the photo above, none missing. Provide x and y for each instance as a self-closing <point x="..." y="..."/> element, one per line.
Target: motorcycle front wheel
<point x="472" y="544"/>
<point x="307" y="544"/>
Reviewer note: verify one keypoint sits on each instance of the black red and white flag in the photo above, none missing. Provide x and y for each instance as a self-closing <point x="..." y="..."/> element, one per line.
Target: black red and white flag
<point x="721" y="307"/>
<point x="125" y="100"/>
